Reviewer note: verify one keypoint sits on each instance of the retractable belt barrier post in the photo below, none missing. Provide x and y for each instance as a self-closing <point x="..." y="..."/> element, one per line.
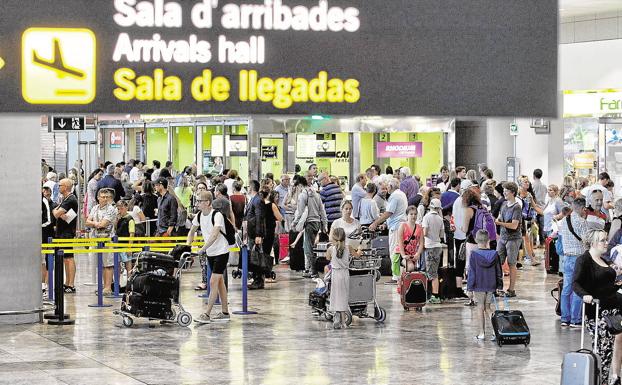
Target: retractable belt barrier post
<point x="117" y="275"/>
<point x="100" y="279"/>
<point x="244" y="310"/>
<point x="50" y="259"/>
<point x="60" y="318"/>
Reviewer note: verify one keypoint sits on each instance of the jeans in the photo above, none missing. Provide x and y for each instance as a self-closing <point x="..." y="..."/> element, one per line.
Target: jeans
<point x="570" y="302"/>
<point x="311" y="230"/>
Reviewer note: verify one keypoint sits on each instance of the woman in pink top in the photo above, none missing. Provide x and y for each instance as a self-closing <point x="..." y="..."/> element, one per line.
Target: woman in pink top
<point x="411" y="247"/>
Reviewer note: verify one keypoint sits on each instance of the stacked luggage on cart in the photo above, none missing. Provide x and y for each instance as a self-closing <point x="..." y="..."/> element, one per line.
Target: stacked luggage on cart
<point x="153" y="290"/>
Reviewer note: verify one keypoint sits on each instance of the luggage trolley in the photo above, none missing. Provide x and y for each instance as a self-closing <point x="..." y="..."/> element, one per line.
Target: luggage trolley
<point x="363" y="277"/>
<point x="153" y="289"/>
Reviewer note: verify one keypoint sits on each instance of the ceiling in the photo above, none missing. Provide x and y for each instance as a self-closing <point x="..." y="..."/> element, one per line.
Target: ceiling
<point x="569" y="8"/>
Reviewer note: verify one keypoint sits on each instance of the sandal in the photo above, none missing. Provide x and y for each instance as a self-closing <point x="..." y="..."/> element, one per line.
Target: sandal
<point x="69" y="289"/>
<point x="200" y="287"/>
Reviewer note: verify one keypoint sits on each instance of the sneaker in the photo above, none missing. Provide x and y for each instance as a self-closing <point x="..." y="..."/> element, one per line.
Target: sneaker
<point x="434" y="300"/>
<point x="314" y="276"/>
<point x="480" y="337"/>
<point x="536" y="263"/>
<point x="470" y="303"/>
<point x="575" y="326"/>
<point x="203" y="319"/>
<point x="510" y="293"/>
<point x="306" y="274"/>
<point x="337" y="325"/>
<point x="519" y="265"/>
<point x="461" y="294"/>
<point x="221" y="317"/>
<point x="493" y="338"/>
<point x="564" y="324"/>
<point x="285" y="260"/>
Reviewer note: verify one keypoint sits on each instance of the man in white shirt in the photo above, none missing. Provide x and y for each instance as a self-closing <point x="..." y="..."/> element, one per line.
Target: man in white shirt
<point x="216" y="247"/>
<point x="603" y="179"/>
<point x="136" y="173"/>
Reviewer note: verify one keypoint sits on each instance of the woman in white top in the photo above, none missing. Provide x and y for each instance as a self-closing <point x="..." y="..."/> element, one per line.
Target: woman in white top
<point x="347" y="223"/>
<point x="91" y="189"/>
<point x="138" y="216"/>
<point x="368" y="210"/>
<point x="552" y="209"/>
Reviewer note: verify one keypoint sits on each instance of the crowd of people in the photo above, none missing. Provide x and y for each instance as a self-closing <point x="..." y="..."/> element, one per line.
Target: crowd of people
<point x="488" y="228"/>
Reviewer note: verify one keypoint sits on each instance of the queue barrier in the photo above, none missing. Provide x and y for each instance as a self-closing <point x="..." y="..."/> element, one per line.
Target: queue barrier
<point x="56" y="248"/>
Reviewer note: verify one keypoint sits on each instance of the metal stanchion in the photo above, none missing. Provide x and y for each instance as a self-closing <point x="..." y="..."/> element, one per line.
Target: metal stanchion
<point x="100" y="279"/>
<point x="244" y="310"/>
<point x="59" y="318"/>
<point x="50" y="259"/>
<point x="116" y="294"/>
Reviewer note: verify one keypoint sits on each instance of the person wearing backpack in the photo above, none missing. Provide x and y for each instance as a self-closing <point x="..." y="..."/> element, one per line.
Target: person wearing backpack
<point x="476" y="217"/>
<point x="216" y="247"/>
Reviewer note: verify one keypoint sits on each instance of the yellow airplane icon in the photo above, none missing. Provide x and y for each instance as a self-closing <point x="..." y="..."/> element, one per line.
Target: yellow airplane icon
<point x="57" y="64"/>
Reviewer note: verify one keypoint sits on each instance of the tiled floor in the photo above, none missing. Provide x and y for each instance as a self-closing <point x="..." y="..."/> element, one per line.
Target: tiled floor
<point x="285" y="344"/>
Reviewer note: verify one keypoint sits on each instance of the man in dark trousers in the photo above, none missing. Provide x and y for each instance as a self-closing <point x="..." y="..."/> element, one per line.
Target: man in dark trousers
<point x="255" y="218"/>
<point x="66" y="215"/>
<point x="109" y="181"/>
<point x="167" y="209"/>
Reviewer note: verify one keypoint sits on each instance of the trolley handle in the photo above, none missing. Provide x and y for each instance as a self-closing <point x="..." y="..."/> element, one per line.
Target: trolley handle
<point x="185" y="258"/>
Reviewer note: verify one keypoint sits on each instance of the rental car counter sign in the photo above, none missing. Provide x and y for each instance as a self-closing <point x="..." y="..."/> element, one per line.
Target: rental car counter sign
<point x="339" y="57"/>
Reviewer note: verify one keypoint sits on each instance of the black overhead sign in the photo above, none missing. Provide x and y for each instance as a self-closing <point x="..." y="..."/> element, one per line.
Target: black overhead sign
<point x="336" y="57"/>
<point x="68" y="123"/>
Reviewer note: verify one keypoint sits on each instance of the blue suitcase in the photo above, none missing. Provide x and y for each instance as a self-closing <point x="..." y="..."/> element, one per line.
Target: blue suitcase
<point x="583" y="366"/>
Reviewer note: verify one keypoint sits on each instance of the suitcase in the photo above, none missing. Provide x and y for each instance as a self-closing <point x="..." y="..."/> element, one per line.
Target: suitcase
<point x="153" y="286"/>
<point x="583" y="366"/>
<point x="447" y="282"/>
<point x="297" y="254"/>
<point x="283" y="246"/>
<point x="509" y="326"/>
<point x="385" y="267"/>
<point x="551" y="259"/>
<point x="382" y="244"/>
<point x="413" y="289"/>
<point x="142" y="306"/>
<point x="150" y="261"/>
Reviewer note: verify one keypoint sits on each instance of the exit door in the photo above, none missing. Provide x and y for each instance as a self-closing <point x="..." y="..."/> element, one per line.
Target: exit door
<point x="272" y="155"/>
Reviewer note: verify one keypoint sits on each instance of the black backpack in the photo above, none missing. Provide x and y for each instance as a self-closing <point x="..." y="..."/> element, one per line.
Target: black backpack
<point x="229" y="233"/>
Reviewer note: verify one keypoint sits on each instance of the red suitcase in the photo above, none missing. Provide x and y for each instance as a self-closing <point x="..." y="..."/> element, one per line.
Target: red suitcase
<point x="283" y="246"/>
<point x="413" y="288"/>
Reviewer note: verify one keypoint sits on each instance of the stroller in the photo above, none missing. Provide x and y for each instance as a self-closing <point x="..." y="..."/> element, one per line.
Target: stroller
<point x="153" y="289"/>
<point x="363" y="276"/>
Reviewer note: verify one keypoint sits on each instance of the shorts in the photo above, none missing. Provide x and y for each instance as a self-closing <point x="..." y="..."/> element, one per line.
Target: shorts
<point x="483" y="298"/>
<point x="108" y="259"/>
<point x="432" y="260"/>
<point x="509" y="250"/>
<point x="525" y="227"/>
<point x="218" y="263"/>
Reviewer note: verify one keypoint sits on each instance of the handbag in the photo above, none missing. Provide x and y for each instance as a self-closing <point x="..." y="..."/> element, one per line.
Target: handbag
<point x="614" y="323"/>
<point x="258" y="260"/>
<point x="462" y="252"/>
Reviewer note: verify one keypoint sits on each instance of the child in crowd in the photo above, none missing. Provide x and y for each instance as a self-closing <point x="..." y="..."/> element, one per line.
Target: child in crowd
<point x="433" y="232"/>
<point x="340" y="277"/>
<point x="484" y="278"/>
<point x="125" y="227"/>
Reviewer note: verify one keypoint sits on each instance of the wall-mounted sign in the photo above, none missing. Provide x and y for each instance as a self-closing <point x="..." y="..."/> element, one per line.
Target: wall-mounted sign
<point x="585" y="160"/>
<point x="592" y="103"/>
<point x="513" y="129"/>
<point x="115" y="139"/>
<point x="308" y="57"/>
<point x="68" y="123"/>
<point x="269" y="152"/>
<point x="399" y="149"/>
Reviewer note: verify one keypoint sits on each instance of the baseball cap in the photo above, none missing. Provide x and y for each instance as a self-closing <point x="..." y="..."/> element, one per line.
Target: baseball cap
<point x="435" y="203"/>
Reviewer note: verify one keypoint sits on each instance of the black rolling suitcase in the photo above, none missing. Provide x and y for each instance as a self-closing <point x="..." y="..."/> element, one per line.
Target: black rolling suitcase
<point x="296" y="254"/>
<point x="447" y="282"/>
<point x="509" y="326"/>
